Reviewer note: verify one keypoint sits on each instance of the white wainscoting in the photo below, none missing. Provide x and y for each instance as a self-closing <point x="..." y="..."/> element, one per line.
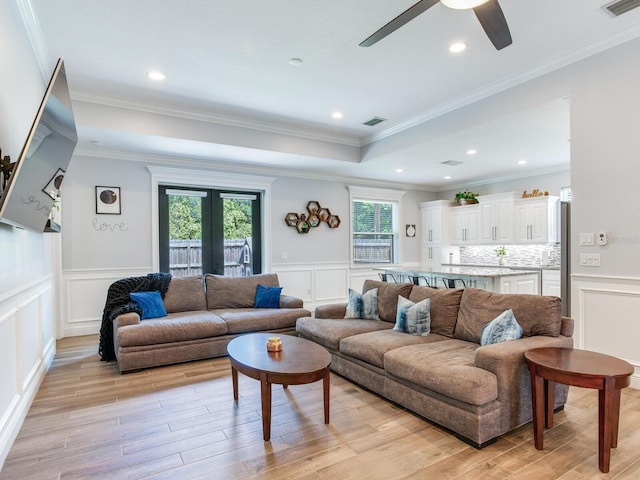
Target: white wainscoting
<point x="84" y="293"/>
<point x="321" y="283"/>
<point x="27" y="347"/>
<point x="604" y="309"/>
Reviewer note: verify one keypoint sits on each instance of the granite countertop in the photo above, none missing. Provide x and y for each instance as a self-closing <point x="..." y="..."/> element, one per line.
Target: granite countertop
<point x="513" y="267"/>
<point x="465" y="271"/>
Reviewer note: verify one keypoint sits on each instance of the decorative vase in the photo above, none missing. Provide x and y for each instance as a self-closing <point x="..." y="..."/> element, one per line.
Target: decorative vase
<point x="500" y="260"/>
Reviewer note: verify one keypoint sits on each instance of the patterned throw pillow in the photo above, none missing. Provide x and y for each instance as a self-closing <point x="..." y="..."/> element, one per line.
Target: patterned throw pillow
<point x="150" y="303"/>
<point x="413" y="318"/>
<point x="362" y="306"/>
<point x="501" y="329"/>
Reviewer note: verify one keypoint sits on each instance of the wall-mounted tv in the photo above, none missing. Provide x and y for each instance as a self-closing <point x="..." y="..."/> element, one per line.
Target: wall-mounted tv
<point x="34" y="180"/>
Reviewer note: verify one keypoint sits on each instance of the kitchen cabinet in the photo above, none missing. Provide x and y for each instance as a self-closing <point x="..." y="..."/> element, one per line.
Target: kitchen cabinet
<point x="496" y="213"/>
<point x="520" y="284"/>
<point x="537" y="220"/>
<point x="435" y="232"/>
<point x="465" y="225"/>
<point x="551" y="282"/>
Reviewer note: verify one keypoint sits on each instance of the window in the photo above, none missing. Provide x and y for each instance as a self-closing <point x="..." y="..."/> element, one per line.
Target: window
<point x="209" y="231"/>
<point x="374" y="226"/>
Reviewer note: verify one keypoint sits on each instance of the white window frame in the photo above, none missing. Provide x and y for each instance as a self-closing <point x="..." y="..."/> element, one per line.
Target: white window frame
<point x="378" y="195"/>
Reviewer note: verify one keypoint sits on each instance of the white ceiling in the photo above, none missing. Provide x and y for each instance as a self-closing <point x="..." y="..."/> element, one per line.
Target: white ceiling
<point x="230" y="61"/>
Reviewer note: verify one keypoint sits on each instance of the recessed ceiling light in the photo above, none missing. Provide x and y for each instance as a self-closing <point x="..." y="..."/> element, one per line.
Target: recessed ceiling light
<point x="448" y="177"/>
<point x="472" y="151"/>
<point x="399" y="170"/>
<point x="522" y="162"/>
<point x="457" y="47"/>
<point x="337" y="115"/>
<point x="295" y="61"/>
<point x="155" y="75"/>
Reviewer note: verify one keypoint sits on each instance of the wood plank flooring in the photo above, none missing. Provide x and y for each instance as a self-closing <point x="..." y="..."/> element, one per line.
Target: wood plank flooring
<point x="180" y="422"/>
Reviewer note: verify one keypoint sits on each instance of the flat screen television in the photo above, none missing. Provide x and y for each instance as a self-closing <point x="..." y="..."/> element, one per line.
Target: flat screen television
<point x="34" y="181"/>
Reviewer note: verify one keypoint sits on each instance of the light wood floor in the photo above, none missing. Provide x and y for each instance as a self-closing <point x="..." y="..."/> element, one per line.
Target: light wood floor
<point x="180" y="422"/>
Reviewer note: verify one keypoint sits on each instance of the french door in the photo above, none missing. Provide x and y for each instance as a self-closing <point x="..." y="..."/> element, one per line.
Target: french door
<point x="209" y="231"/>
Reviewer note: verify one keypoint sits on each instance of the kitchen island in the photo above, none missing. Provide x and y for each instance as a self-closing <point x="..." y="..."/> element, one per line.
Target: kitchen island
<point x="494" y="279"/>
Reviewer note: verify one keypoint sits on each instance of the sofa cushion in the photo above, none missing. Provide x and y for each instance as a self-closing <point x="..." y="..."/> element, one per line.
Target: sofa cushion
<point x="250" y="320"/>
<point x="175" y="327"/>
<point x="446" y="367"/>
<point x="388" y="297"/>
<point x="362" y="305"/>
<point x="235" y="292"/>
<point x="444" y="307"/>
<point x="413" y="318"/>
<point x="328" y="332"/>
<point x="503" y="328"/>
<point x="371" y="347"/>
<point x="536" y="314"/>
<point x="185" y="294"/>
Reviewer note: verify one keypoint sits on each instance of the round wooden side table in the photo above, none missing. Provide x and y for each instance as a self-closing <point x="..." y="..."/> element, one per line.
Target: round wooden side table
<point x="580" y="368"/>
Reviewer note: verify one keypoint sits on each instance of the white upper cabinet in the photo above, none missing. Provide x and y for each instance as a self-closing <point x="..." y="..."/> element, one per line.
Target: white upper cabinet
<point x="537" y="220"/>
<point x="497" y="218"/>
<point x="465" y="225"/>
<point x="435" y="231"/>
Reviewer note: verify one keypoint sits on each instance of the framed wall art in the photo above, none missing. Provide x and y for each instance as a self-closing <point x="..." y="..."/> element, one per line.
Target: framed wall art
<point x="108" y="200"/>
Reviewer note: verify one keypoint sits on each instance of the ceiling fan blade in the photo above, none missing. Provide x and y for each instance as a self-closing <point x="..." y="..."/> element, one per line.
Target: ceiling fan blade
<point x="494" y="24"/>
<point x="399" y="21"/>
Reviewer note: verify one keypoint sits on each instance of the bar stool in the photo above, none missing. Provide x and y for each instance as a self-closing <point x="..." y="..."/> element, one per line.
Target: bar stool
<point x="387" y="277"/>
<point x="451" y="282"/>
<point x="415" y="279"/>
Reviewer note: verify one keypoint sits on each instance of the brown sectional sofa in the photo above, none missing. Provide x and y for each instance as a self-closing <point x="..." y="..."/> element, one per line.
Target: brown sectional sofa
<point x="478" y="392"/>
<point x="203" y="315"/>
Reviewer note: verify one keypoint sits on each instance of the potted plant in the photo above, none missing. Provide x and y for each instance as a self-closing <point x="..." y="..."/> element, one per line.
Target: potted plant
<point x="501" y="252"/>
<point x="466" y="197"/>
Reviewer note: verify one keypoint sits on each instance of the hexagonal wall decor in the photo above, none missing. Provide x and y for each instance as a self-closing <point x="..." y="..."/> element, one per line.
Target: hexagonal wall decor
<point x="316" y="215"/>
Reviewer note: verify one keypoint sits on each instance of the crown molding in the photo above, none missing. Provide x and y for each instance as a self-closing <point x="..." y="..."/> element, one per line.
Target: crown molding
<point x="218" y="118"/>
<point x="180" y="162"/>
<point x="494" y="88"/>
<point x="506" y="178"/>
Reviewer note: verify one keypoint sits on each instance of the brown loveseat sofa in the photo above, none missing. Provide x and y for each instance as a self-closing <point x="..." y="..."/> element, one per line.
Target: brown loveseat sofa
<point x="203" y="315"/>
<point x="478" y="392"/>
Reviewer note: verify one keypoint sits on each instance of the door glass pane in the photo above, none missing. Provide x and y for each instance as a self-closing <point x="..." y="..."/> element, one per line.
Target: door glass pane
<point x="237" y="230"/>
<point x="185" y="232"/>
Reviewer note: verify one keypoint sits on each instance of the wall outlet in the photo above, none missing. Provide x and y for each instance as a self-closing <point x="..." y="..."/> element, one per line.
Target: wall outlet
<point x="590" y="259"/>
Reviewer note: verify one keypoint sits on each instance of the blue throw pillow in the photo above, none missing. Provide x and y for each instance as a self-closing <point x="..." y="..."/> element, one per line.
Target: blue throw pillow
<point x="501" y="329"/>
<point x="267" y="297"/>
<point x="363" y="306"/>
<point x="150" y="303"/>
<point x="413" y="318"/>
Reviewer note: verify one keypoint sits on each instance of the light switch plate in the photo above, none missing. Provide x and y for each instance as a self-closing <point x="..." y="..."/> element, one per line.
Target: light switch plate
<point x="586" y="239"/>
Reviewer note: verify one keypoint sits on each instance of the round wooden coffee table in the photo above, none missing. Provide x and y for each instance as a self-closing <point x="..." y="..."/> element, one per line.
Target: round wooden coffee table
<point x="300" y="361"/>
<point x="579" y="368"/>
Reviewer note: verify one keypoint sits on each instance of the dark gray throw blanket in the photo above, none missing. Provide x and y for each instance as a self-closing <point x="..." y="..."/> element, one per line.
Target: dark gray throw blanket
<point x="119" y="302"/>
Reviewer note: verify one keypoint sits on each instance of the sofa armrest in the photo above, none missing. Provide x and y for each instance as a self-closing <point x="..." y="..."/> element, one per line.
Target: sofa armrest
<point x="288" y="301"/>
<point x="506" y="361"/>
<point x="566" y="327"/>
<point x="130" y="318"/>
<point x="334" y="310"/>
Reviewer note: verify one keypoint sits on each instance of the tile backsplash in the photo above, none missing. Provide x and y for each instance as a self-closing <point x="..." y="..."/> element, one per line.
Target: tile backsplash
<point x="517" y="255"/>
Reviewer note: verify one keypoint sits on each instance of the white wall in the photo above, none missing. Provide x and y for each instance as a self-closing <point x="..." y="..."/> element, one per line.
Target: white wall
<point x="99" y="249"/>
<point x="27" y="259"/>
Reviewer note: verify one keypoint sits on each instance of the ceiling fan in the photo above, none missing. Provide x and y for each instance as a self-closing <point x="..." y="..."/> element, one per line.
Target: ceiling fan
<point x="488" y="12"/>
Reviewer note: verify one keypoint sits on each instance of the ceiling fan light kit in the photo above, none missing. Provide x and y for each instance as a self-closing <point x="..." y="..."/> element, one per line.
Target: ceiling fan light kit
<point x="463" y="4"/>
<point x="488" y="12"/>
